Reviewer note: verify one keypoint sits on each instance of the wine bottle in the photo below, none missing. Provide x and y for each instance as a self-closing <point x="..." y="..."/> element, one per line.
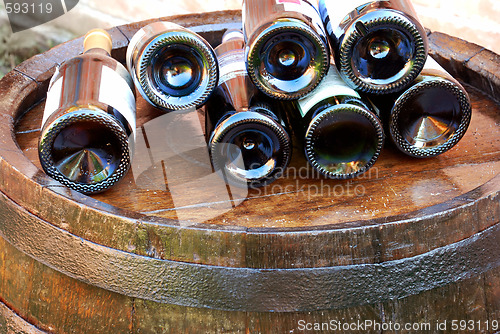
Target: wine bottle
<point x="379" y="46"/>
<point x="342" y="133"/>
<point x="431" y="116"/>
<point x="287" y="51"/>
<point x="88" y="127"/>
<point x="173" y="67"/>
<point x="248" y="142"/>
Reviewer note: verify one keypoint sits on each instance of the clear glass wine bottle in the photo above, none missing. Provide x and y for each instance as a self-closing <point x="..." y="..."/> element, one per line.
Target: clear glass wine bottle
<point x="173" y="67"/>
<point x="287" y="50"/>
<point x="247" y="139"/>
<point x="88" y="128"/>
<point x="431" y="116"/>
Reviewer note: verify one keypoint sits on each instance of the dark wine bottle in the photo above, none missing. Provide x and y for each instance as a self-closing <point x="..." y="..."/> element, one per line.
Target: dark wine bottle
<point x="173" y="67"/>
<point x="88" y="127"/>
<point x="379" y="46"/>
<point x="431" y="116"/>
<point x="342" y="133"/>
<point x="248" y="143"/>
<point x="287" y="51"/>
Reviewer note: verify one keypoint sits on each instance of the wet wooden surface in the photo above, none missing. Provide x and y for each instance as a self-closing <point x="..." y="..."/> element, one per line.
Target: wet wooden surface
<point x="172" y="207"/>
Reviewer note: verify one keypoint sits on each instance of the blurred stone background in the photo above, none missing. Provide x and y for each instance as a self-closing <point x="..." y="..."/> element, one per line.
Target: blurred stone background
<point x="476" y="21"/>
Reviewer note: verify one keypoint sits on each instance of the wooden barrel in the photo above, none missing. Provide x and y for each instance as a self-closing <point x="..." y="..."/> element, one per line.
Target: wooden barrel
<point x="412" y="242"/>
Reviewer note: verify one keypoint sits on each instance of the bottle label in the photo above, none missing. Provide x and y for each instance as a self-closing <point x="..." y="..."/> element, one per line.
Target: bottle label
<point x="332" y="85"/>
<point x="53" y="101"/>
<point x="231" y="65"/>
<point x="115" y="92"/>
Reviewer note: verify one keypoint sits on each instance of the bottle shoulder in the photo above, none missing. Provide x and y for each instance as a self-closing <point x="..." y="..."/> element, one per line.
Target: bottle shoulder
<point x="339" y="100"/>
<point x="230" y="47"/>
<point x="90" y="57"/>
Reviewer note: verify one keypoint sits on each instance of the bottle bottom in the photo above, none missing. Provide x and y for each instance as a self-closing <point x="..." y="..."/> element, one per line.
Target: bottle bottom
<point x="343" y="142"/>
<point x="248" y="151"/>
<point x="86" y="152"/>
<point x="287" y="60"/>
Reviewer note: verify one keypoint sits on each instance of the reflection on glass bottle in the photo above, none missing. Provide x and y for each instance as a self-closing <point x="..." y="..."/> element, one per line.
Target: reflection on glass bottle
<point x="431" y="116"/>
<point x="343" y="135"/>
<point x="287" y="51"/>
<point x="173" y="67"/>
<point x="88" y="126"/>
<point x="247" y="141"/>
<point x="379" y="46"/>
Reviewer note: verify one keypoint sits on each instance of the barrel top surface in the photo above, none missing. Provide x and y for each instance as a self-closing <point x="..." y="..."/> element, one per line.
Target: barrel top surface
<point x="183" y="188"/>
<point x="172" y="190"/>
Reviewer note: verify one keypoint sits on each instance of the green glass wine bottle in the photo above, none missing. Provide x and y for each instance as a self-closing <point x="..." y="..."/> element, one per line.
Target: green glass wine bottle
<point x="342" y="133"/>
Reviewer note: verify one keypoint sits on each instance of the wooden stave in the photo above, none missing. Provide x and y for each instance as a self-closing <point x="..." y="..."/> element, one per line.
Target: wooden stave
<point x="89" y="308"/>
<point x="100" y="311"/>
<point x="482" y="199"/>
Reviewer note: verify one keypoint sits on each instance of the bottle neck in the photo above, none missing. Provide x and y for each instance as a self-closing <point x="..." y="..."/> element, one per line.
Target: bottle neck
<point x="98" y="41"/>
<point x="235" y="85"/>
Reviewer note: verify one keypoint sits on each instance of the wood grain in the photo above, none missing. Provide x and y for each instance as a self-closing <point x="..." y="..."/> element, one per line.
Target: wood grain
<point x="39" y="293"/>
